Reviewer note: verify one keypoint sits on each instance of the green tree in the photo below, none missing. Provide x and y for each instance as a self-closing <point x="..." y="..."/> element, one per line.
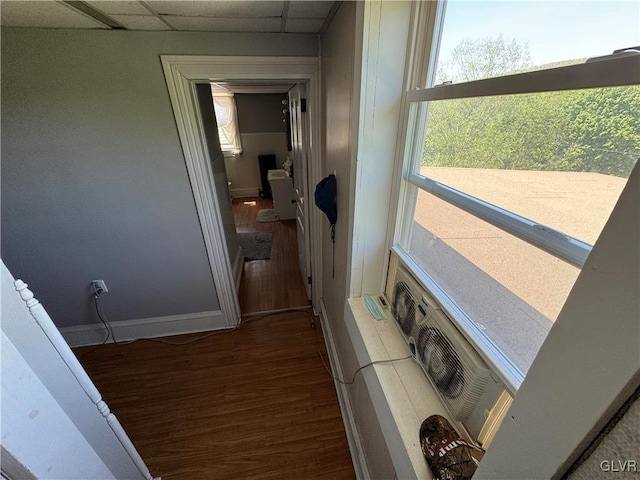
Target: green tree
<point x="464" y="132"/>
<point x="604" y="130"/>
<point x="595" y="130"/>
<point x="483" y="58"/>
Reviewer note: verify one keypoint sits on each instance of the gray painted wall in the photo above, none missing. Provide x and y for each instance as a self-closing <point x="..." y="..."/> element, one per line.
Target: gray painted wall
<point x="341" y="119"/>
<point x="207" y="111"/>
<point x="341" y="60"/>
<point x="260" y="113"/>
<point x="261" y="131"/>
<point x="94" y="183"/>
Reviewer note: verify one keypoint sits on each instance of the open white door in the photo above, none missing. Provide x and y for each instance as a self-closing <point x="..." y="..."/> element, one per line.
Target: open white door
<point x="300" y="152"/>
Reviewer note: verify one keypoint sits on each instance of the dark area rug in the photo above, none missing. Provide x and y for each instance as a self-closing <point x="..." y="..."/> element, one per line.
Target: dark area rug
<point x="256" y="245"/>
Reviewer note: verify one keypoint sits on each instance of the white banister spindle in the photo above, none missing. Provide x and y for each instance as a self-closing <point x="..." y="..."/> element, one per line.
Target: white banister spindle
<point x="43" y="319"/>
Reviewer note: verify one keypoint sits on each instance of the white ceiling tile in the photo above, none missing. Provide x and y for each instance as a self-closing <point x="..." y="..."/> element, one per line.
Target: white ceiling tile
<point x="119" y="7"/>
<point x="44" y="15"/>
<point x="140" y="22"/>
<point x="209" y="24"/>
<point x="303" y="25"/>
<point x="233" y="9"/>
<point x="309" y="9"/>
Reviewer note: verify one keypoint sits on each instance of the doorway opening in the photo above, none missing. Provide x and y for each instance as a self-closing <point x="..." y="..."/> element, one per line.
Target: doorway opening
<point x="184" y="74"/>
<point x="263" y="133"/>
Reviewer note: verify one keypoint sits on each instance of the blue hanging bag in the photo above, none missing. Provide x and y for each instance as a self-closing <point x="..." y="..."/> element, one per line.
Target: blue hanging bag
<point x="326" y="193"/>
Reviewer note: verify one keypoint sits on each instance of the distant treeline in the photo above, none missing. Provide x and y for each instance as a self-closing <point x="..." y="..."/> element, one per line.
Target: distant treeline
<point x="595" y="130"/>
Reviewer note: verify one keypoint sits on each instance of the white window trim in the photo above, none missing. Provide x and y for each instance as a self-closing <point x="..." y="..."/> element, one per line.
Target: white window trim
<point x="613" y="70"/>
<point x="556" y="384"/>
<point x="610" y="71"/>
<point x="561" y="245"/>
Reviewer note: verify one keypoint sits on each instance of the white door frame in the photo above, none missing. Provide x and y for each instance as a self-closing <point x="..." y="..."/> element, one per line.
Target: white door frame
<point x="182" y="72"/>
<point x="299" y="122"/>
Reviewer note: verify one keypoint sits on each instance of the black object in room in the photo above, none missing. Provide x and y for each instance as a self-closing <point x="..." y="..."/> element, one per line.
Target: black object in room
<point x="267" y="162"/>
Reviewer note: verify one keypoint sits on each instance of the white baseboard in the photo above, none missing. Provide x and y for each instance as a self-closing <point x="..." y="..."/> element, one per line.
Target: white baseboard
<point x="353" y="437"/>
<point x="125" y="330"/>
<point x="244" y="192"/>
<point x="238" y="265"/>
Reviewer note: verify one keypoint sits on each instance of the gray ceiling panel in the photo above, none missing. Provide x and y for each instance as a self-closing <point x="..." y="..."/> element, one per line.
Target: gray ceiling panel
<point x="239" y="9"/>
<point x="295" y="16"/>
<point x="312" y="9"/>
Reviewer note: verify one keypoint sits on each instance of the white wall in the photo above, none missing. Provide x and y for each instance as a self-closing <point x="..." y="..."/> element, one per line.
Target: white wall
<point x="36" y="430"/>
<point x="386" y="31"/>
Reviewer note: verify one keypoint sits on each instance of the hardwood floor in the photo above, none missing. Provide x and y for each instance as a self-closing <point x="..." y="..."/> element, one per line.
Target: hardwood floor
<point x="253" y="403"/>
<point x="276" y="283"/>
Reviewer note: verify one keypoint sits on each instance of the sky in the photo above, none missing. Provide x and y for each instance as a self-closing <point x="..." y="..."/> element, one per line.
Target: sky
<point x="555" y="30"/>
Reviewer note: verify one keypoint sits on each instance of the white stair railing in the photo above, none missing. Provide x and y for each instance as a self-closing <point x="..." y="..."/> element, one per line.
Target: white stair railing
<point x="43" y="319"/>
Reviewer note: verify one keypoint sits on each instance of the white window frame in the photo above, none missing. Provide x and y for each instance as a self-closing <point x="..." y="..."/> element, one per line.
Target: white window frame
<point x="610" y="71"/>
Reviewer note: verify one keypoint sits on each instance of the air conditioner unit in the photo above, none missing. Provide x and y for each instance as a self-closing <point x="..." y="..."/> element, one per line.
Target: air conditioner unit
<point x="409" y="301"/>
<point x="450" y="362"/>
<point x="463" y="380"/>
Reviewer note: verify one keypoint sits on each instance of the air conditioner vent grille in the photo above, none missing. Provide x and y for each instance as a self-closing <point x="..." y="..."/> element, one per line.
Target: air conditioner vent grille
<point x="403" y="307"/>
<point x="441" y="362"/>
<point x="452" y="366"/>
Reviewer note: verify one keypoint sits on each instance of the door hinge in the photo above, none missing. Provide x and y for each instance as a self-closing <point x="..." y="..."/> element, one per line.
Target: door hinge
<point x="303" y="105"/>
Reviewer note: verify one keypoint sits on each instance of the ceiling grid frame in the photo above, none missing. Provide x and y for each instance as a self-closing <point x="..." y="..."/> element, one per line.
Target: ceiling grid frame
<point x="245" y="16"/>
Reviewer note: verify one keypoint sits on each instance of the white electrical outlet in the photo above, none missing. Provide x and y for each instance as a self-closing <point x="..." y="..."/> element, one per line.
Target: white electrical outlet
<point x="99" y="287"/>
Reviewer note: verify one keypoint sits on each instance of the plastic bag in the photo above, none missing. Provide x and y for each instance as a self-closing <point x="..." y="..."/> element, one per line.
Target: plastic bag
<point x="449" y="456"/>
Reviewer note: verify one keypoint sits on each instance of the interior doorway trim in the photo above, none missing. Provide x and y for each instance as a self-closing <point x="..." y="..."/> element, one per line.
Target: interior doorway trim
<point x="182" y="73"/>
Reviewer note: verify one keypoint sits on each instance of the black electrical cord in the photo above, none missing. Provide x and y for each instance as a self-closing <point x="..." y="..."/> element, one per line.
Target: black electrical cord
<point x="106" y="324"/>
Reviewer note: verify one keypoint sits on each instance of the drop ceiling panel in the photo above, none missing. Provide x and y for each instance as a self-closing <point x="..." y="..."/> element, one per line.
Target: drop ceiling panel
<point x="303" y="25"/>
<point x="118" y="7"/>
<point x="206" y="24"/>
<point x="44" y="14"/>
<point x="309" y="9"/>
<point x="211" y="15"/>
<point x="224" y="9"/>
<point x="140" y="22"/>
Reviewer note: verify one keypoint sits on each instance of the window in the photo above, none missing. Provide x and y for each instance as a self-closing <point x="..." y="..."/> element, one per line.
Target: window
<point x="516" y="153"/>
<point x="227" y="118"/>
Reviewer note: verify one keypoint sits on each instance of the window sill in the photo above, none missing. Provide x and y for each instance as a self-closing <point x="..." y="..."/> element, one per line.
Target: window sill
<point x="401" y="394"/>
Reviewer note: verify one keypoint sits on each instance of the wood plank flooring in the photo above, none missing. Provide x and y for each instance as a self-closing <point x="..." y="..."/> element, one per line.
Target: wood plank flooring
<point x="253" y="403"/>
<point x="276" y="283"/>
